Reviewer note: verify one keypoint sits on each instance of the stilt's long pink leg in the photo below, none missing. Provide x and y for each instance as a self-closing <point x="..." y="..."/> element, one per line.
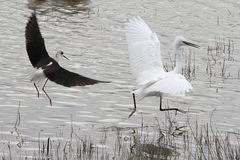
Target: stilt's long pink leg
<point x="46" y="92"/>
<point x="36" y="89"/>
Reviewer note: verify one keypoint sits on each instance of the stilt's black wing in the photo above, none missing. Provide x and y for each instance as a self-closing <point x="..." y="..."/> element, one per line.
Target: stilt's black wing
<point x="34" y="42"/>
<point x="69" y="79"/>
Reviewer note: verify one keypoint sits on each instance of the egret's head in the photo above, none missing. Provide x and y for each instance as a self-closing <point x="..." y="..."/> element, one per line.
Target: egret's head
<point x="181" y="41"/>
<point x="60" y="54"/>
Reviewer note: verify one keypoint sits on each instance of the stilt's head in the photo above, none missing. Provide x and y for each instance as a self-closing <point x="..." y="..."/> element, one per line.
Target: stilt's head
<point x="181" y="41"/>
<point x="59" y="55"/>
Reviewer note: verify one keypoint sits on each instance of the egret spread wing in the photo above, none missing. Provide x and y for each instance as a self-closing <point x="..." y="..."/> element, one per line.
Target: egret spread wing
<point x="34" y="42"/>
<point x="174" y="84"/>
<point x="144" y="51"/>
<point x="69" y="79"/>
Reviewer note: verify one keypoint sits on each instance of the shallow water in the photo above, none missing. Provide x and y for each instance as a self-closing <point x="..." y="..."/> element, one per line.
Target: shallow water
<point x="91" y="33"/>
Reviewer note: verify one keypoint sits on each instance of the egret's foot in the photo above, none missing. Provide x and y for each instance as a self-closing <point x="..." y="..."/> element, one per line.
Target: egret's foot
<point x="133" y="111"/>
<point x="181" y="111"/>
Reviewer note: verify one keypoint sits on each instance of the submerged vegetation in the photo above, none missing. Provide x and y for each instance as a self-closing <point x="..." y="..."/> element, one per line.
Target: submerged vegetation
<point x="219" y="57"/>
<point x="219" y="60"/>
<point x="162" y="140"/>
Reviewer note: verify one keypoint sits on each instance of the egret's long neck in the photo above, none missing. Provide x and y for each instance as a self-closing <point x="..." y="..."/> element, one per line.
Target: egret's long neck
<point x="179" y="61"/>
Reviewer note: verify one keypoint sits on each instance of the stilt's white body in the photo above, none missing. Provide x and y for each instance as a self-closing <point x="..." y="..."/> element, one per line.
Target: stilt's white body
<point x="146" y="63"/>
<point x="38" y="76"/>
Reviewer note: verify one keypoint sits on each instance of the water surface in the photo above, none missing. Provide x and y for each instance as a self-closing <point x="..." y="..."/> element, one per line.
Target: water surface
<point x="91" y="33"/>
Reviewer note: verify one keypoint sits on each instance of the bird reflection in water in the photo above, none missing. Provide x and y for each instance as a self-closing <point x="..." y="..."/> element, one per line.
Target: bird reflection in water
<point x="63" y="6"/>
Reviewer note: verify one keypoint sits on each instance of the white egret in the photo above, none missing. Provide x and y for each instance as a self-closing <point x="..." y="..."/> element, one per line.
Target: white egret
<point x="146" y="64"/>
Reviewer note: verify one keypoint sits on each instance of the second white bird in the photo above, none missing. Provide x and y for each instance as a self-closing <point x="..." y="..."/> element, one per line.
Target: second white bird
<point x="146" y="63"/>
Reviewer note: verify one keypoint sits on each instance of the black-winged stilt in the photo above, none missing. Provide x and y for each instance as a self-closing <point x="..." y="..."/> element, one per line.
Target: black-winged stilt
<point x="47" y="67"/>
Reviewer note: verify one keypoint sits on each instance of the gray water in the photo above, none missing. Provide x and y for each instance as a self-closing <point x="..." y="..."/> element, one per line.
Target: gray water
<point x="91" y="33"/>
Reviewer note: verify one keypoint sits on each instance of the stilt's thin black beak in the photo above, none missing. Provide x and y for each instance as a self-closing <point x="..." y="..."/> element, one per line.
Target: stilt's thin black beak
<point x="66" y="57"/>
<point x="191" y="44"/>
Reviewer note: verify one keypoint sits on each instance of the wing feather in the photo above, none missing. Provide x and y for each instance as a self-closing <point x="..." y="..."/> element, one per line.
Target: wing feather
<point x="144" y="51"/>
<point x="175" y="84"/>
<point x="34" y="42"/>
<point x="69" y="79"/>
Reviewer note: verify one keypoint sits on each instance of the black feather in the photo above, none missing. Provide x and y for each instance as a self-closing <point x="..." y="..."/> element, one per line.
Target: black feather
<point x="34" y="42"/>
<point x="66" y="78"/>
<point x="40" y="59"/>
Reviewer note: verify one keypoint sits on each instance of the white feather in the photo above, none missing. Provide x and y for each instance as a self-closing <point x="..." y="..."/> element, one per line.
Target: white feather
<point x="173" y="84"/>
<point x="144" y="51"/>
<point x="38" y="76"/>
<point x="146" y="63"/>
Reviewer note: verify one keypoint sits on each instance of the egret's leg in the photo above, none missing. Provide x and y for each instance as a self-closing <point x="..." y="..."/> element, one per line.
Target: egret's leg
<point x="134" y="102"/>
<point x="167" y="109"/>
<point x="135" y="107"/>
<point x="36" y="89"/>
<point x="161" y="103"/>
<point x="46" y="92"/>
